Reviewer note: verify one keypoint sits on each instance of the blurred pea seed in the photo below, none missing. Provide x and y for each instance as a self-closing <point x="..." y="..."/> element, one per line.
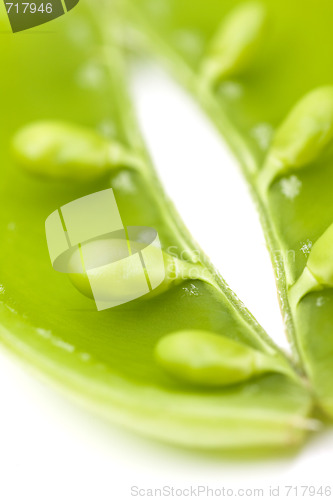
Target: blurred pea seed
<point x="63" y="151"/>
<point x="302" y="137"/>
<point x="236" y="43"/>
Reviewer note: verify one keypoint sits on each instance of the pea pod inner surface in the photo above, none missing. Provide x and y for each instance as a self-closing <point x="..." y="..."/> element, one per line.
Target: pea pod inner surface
<point x="107" y="357"/>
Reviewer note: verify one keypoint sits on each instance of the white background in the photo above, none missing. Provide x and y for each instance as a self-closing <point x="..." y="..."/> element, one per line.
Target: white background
<point x="50" y="449"/>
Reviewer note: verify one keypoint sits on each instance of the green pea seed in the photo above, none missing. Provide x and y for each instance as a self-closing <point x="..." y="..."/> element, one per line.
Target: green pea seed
<point x="210" y="360"/>
<point x="318" y="273"/>
<point x="302" y="137"/>
<point x="106" y="257"/>
<point x="236" y="42"/>
<point x="63" y="151"/>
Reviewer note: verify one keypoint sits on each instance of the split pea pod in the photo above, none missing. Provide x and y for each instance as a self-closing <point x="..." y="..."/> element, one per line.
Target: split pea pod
<point x="106" y="358"/>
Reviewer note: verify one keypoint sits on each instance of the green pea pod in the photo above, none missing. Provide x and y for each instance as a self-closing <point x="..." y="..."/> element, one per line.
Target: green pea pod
<point x="106" y="358"/>
<point x="277" y="117"/>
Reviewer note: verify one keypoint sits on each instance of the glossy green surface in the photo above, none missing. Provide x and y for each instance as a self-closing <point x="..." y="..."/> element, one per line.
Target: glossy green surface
<point x="297" y="208"/>
<point x="106" y="359"/>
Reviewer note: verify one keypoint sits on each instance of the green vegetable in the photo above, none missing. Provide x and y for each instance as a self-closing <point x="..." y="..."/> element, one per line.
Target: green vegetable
<point x="63" y="151"/>
<point x="106" y="358"/>
<point x="109" y="254"/>
<point x="209" y="360"/>
<point x="286" y="156"/>
<point x="236" y="43"/>
<point x="301" y="138"/>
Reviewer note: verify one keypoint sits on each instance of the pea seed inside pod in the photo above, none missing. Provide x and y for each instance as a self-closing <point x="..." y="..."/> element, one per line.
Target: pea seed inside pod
<point x="63" y="151"/>
<point x="302" y="137"/>
<point x="207" y="359"/>
<point x="105" y="262"/>
<point x="236" y="42"/>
